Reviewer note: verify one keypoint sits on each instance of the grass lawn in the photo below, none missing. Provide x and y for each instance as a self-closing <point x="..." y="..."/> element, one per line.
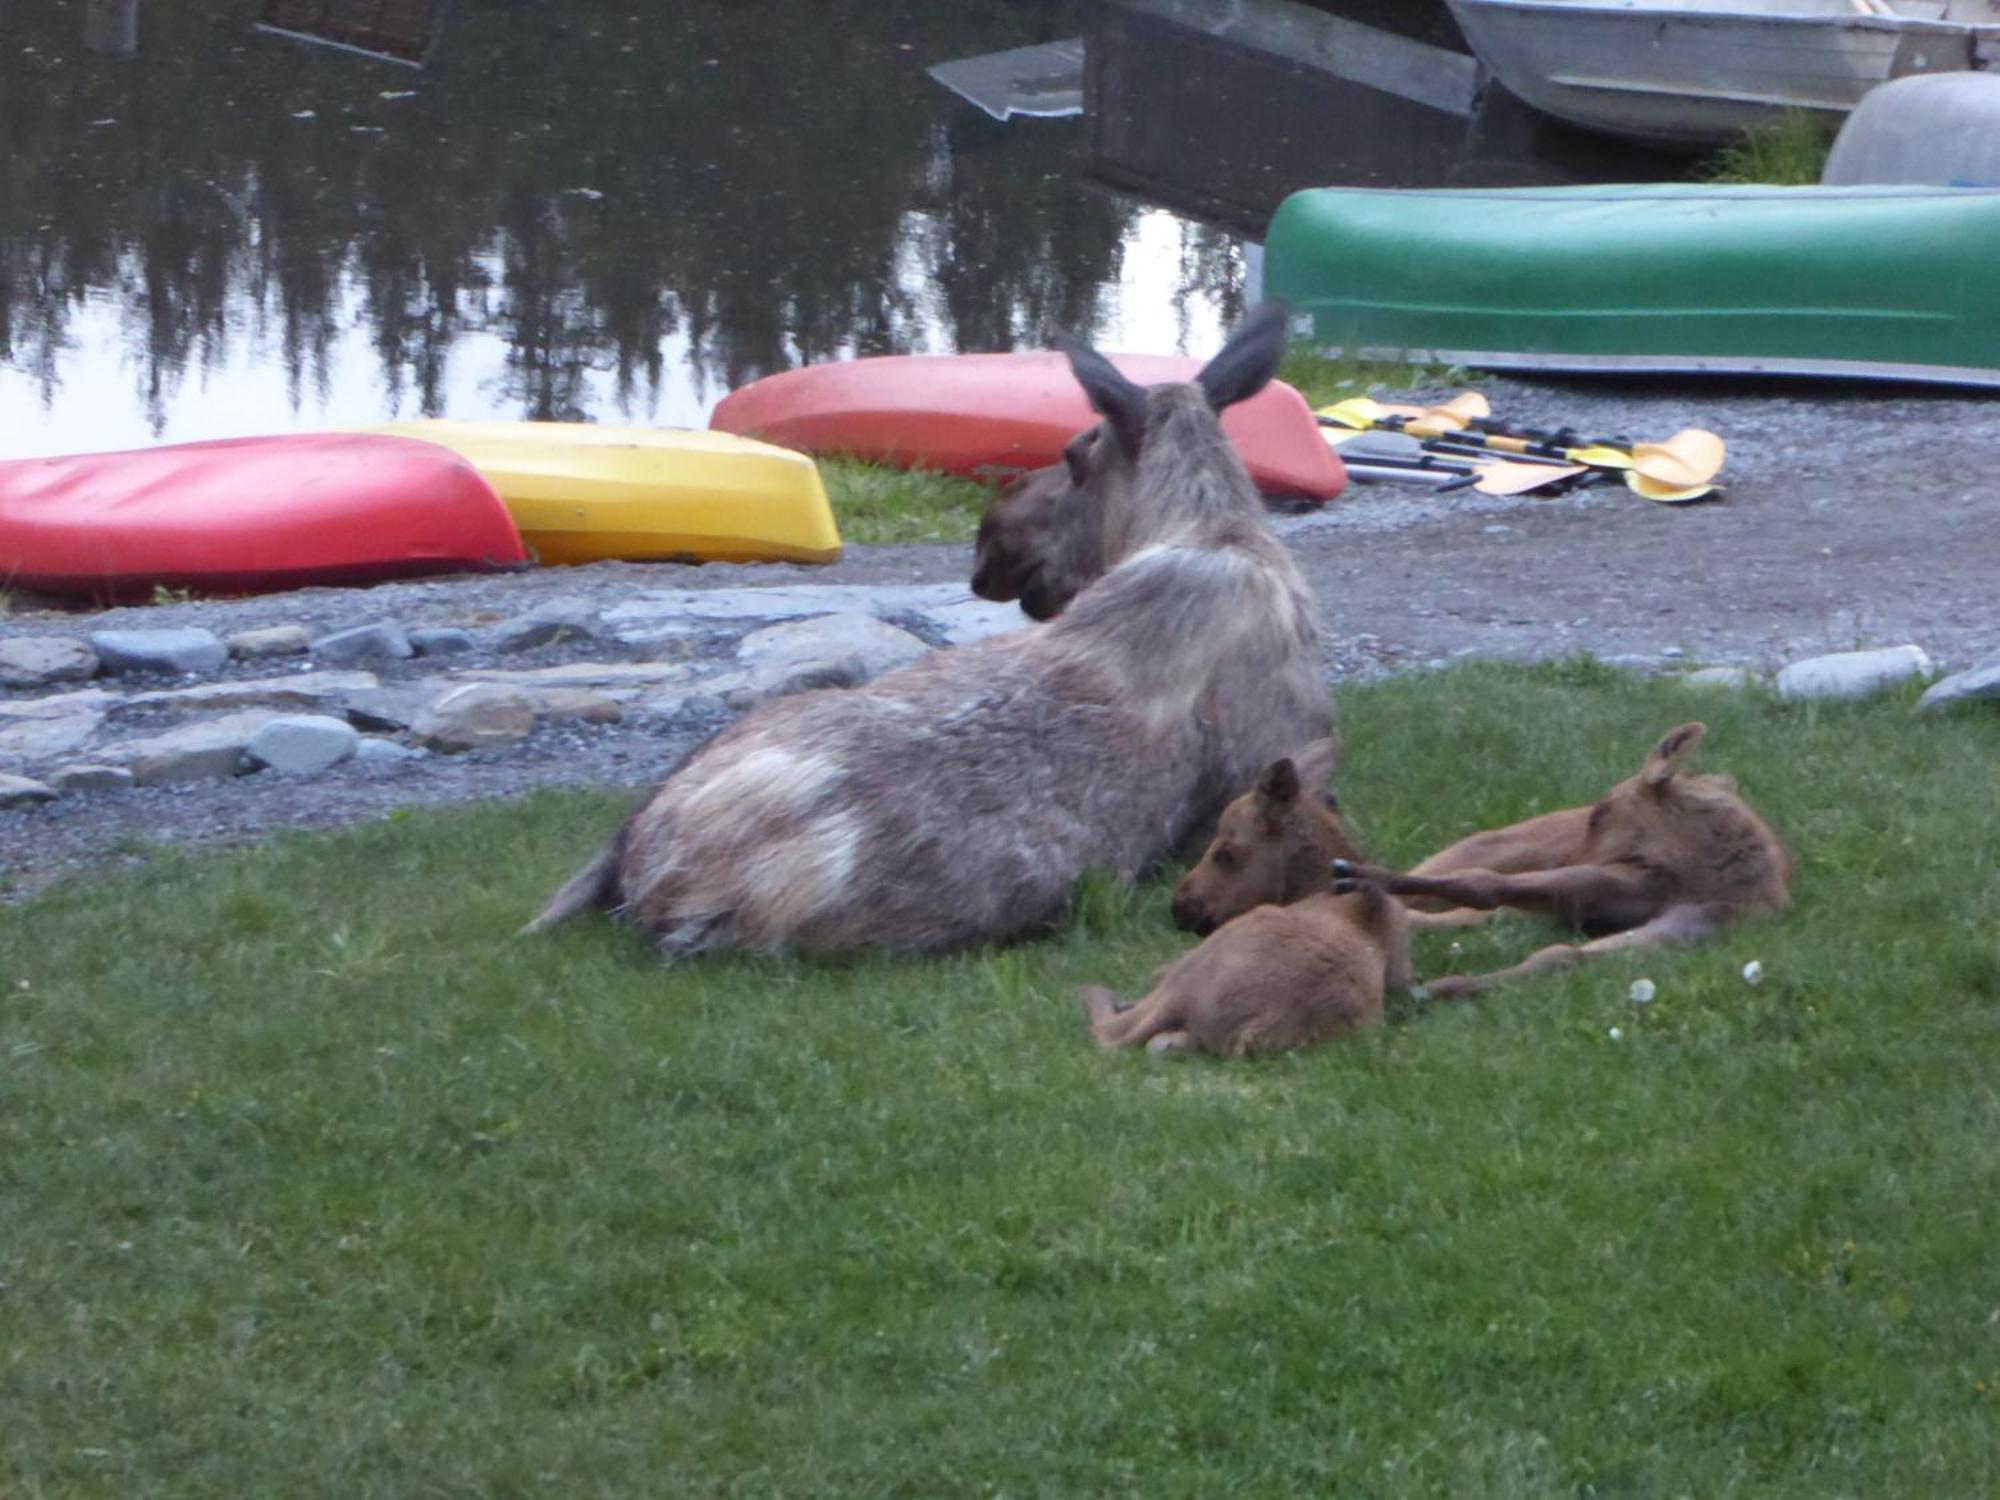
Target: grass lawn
<point x="314" y="1183"/>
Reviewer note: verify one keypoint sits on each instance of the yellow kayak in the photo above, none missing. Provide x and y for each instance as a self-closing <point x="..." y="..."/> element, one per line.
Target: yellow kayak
<point x="580" y="492"/>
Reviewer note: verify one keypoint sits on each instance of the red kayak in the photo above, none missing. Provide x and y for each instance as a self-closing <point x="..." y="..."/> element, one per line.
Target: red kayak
<point x="975" y="413"/>
<point x="247" y="516"/>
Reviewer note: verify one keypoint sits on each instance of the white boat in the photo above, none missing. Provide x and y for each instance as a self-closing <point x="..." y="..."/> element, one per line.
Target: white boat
<point x="1700" y="72"/>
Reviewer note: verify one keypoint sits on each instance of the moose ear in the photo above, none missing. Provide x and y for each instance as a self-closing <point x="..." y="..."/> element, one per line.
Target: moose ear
<point x="1245" y="365"/>
<point x="1316" y="762"/>
<point x="1118" y="400"/>
<point x="1279" y="785"/>
<point x="1667" y="757"/>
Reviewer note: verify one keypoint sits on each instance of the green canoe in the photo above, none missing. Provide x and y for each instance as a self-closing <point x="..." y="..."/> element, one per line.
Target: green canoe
<point x="1879" y="282"/>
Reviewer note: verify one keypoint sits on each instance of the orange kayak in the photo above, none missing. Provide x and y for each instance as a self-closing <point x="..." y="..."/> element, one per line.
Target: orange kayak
<point x="981" y="414"/>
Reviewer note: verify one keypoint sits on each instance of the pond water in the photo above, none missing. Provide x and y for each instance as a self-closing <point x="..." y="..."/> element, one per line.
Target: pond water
<point x="598" y="209"/>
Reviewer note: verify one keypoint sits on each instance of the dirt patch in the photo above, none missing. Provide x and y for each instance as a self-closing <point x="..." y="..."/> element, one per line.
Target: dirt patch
<point x="1855" y="516"/>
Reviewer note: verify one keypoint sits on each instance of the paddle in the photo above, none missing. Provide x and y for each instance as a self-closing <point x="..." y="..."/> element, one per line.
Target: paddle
<point x="1666" y="494"/>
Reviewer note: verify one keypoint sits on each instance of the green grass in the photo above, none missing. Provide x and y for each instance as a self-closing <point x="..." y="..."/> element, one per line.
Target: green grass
<point x="1790" y="153"/>
<point x="1323" y="379"/>
<point x="874" y="504"/>
<point x="313" y="1183"/>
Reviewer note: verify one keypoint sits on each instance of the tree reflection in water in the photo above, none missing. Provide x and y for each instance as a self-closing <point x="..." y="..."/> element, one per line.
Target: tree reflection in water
<point x="625" y="196"/>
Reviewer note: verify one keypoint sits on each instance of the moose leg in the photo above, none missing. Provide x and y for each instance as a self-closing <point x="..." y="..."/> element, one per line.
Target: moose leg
<point x="1458" y="916"/>
<point x="1604" y="895"/>
<point x="1674" y="927"/>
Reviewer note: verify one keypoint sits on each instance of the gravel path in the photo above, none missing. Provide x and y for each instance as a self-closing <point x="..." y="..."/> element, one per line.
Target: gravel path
<point x="1855" y="516"/>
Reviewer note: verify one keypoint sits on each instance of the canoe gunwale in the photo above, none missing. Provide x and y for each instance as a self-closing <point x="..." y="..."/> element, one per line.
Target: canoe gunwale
<point x="1675" y="364"/>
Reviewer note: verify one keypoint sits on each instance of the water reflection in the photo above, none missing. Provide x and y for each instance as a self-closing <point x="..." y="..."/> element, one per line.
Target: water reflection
<point x="579" y="210"/>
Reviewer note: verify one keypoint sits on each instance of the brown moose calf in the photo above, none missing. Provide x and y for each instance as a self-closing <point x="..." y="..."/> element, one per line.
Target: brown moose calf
<point x="1663" y="858"/>
<point x="1276" y="976"/>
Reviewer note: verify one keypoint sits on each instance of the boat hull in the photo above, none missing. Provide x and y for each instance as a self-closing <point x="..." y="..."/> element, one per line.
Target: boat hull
<point x="1700" y="74"/>
<point x="583" y="492"/>
<point x="247" y="515"/>
<point x="1892" y="283"/>
<point x="979" y="414"/>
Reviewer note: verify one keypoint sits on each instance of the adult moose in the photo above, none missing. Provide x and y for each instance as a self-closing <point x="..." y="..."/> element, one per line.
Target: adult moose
<point x="956" y="801"/>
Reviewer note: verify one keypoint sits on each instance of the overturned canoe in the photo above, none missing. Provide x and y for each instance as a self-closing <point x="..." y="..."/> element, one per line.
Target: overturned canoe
<point x="1875" y="282"/>
<point x="247" y="515"/>
<point x="584" y="492"/>
<point x="982" y="413"/>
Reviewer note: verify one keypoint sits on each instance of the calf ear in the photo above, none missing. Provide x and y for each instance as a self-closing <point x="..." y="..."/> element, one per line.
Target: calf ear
<point x="1118" y="400"/>
<point x="1667" y="757"/>
<point x="1245" y="365"/>
<point x="1277" y="790"/>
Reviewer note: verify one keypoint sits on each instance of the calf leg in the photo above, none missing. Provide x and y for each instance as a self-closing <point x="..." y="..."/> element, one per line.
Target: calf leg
<point x="1126" y="1026"/>
<point x="1458" y="916"/>
<point x="1603" y="895"/>
<point x="1674" y="927"/>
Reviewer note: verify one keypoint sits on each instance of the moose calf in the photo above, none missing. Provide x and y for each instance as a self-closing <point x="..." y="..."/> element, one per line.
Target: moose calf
<point x="1664" y="858"/>
<point x="1276" y="976"/>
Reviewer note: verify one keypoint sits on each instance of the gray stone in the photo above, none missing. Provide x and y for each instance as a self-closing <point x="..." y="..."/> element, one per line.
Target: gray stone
<point x="71" y="780"/>
<point x="663" y="614"/>
<point x="383" y="638"/>
<point x="441" y="642"/>
<point x="972" y="620"/>
<point x="547" y="624"/>
<point x="476" y="716"/>
<point x="1982" y="681"/>
<point x="304" y="690"/>
<point x="798" y="646"/>
<point x="1852" y="674"/>
<point x="392" y="708"/>
<point x="38" y="660"/>
<point x="180" y="650"/>
<point x="1718" y="677"/>
<point x="557" y="705"/>
<point x="611" y="676"/>
<point x="303" y="744"/>
<point x="194" y="752"/>
<point x="374" y="751"/>
<point x="56" y="706"/>
<point x="278" y="640"/>
<point x="23" y="791"/>
<point x="25" y="740"/>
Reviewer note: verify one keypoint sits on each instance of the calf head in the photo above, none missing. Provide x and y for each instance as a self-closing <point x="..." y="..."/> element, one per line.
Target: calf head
<point x="1272" y="845"/>
<point x="1663" y="812"/>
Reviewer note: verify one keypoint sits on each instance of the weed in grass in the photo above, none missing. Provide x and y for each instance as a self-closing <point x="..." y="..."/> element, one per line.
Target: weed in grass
<point x="875" y="504"/>
<point x="1790" y="153"/>
<point x="164" y="595"/>
<point x="1325" y="378"/>
<point x="314" y="1182"/>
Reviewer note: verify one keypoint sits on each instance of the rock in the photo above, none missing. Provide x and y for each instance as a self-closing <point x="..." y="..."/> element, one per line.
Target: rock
<point x="382" y="638"/>
<point x="71" y="780"/>
<point x="663" y="614"/>
<point x="57" y="705"/>
<point x="827" y="642"/>
<point x="392" y="708"/>
<point x="441" y="642"/>
<point x="23" y="791"/>
<point x="278" y="640"/>
<point x="1852" y="674"/>
<point x="303" y="744"/>
<point x="608" y="675"/>
<point x="194" y="752"/>
<point x="557" y="620"/>
<point x="972" y="620"/>
<point x="1982" y="681"/>
<point x="38" y="660"/>
<point x="474" y="717"/>
<point x="182" y="650"/>
<point x="1718" y="677"/>
<point x="557" y="705"/>
<point x="31" y="739"/>
<point x="305" y="690"/>
<point x="374" y="751"/>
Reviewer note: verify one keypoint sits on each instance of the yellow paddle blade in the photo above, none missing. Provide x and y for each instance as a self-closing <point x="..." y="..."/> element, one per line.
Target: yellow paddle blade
<point x="1459" y="411"/>
<point x="1357" y="412"/>
<point x="1690" y="457"/>
<point x="1518" y="479"/>
<point x="1666" y="494"/>
<point x="1601" y="458"/>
